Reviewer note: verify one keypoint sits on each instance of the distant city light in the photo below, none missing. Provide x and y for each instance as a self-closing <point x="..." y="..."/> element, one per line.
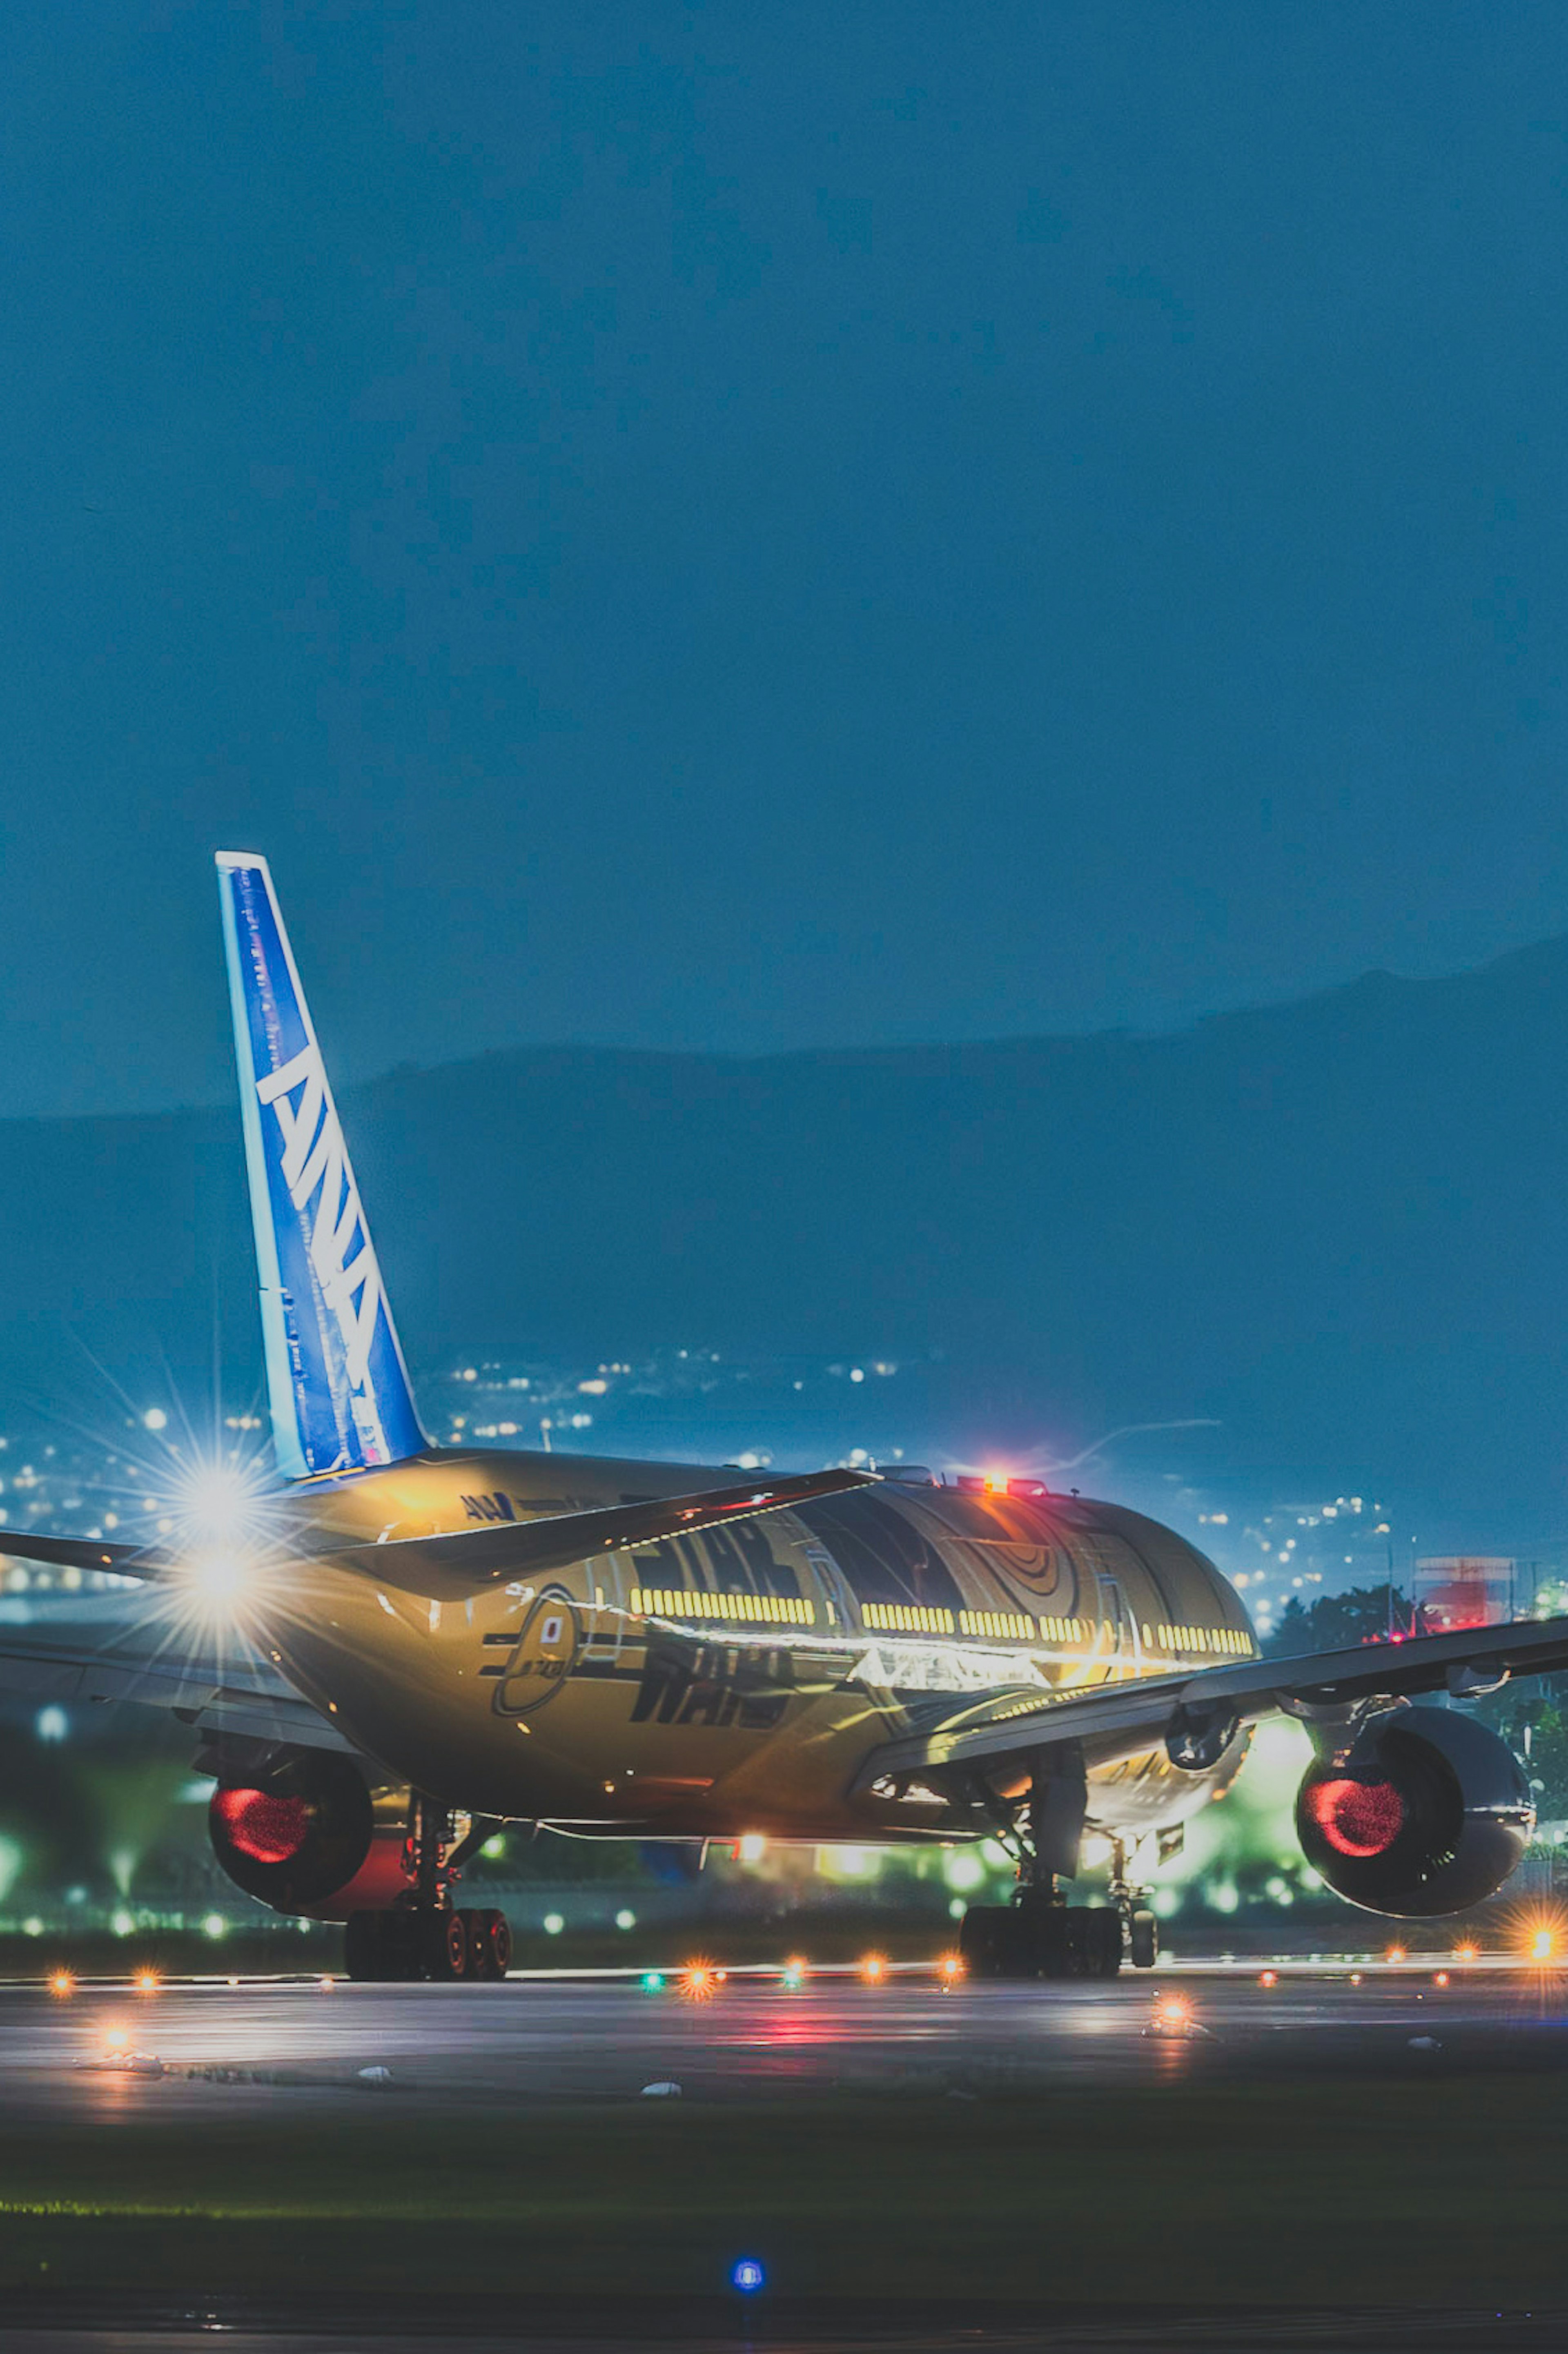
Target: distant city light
<point x="51" y="1723"/>
<point x="213" y="1926"/>
<point x="752" y="1847"/>
<point x="625" y="1919"/>
<point x="154" y="1419"/>
<point x="554" y="1924"/>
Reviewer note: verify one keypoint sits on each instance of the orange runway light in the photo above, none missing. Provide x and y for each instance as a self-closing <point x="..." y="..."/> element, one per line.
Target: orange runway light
<point x="1173" y="2014"/>
<point x="61" y="1983"/>
<point x="950" y="1969"/>
<point x="1269" y="1977"/>
<point x="1465" y="1953"/>
<point x="873" y="1969"/>
<point x="146" y="1982"/>
<point x="1395" y="1954"/>
<point x="699" y="1982"/>
<point x="1355" y="1978"/>
<point x="1441" y="1978"/>
<point x="1542" y="1947"/>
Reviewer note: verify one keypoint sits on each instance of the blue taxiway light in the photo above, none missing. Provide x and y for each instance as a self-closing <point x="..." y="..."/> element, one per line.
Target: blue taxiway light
<point x="747" y="2275"/>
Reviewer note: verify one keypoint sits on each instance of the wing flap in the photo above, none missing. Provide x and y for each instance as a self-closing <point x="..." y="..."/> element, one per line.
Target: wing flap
<point x="81" y="1656"/>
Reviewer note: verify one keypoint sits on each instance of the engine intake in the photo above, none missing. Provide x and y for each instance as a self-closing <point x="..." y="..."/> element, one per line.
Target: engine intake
<point x="1428" y="1813"/>
<point x="300" y="1833"/>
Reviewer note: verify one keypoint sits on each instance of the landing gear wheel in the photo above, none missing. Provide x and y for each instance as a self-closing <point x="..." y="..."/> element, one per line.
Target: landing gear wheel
<point x="1103" y="1954"/>
<point x="363" y="1946"/>
<point x="444" y="1945"/>
<point x="1144" y="1940"/>
<point x="991" y="1945"/>
<point x="489" y="1943"/>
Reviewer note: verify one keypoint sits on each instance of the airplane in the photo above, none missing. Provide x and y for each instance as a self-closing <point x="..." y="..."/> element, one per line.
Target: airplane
<point x="411" y="1645"/>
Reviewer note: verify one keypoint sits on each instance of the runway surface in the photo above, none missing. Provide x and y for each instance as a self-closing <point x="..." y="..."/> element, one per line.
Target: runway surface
<point x="110" y="2051"/>
<point x="869" y="2068"/>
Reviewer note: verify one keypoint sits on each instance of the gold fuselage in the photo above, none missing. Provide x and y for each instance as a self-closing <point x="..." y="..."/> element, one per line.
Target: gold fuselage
<point x="739" y="1680"/>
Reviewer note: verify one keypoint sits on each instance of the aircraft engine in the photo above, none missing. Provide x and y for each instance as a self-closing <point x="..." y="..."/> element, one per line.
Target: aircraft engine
<point x="1428" y="1813"/>
<point x="302" y="1833"/>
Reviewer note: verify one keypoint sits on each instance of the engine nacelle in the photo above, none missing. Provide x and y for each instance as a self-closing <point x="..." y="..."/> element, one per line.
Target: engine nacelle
<point x="301" y="1834"/>
<point x="1428" y="1813"/>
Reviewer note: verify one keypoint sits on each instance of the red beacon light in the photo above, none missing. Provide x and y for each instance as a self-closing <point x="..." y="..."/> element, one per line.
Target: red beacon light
<point x="1000" y="1483"/>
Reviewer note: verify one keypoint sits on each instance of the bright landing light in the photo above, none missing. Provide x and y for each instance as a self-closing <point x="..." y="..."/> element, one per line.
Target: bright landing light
<point x="218" y="1580"/>
<point x="218" y="1502"/>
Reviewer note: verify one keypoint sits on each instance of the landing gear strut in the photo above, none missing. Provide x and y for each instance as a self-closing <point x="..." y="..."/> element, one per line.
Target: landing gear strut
<point x="425" y="1935"/>
<point x="1142" y="1928"/>
<point x="1040" y="1934"/>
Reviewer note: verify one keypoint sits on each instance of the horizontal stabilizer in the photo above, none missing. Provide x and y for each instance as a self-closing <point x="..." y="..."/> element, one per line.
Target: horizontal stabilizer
<point x="473" y="1559"/>
<point x="85" y="1552"/>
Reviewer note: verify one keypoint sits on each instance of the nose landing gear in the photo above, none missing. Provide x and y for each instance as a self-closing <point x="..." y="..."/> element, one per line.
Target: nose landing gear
<point x="425" y="1935"/>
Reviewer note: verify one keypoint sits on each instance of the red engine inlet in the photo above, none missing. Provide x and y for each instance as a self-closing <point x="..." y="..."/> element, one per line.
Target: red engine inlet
<point x="1357" y="1818"/>
<point x="1428" y="1814"/>
<point x="260" y="1825"/>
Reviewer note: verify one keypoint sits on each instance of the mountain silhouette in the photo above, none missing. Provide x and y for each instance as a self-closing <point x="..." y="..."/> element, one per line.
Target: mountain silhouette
<point x="1338" y="1226"/>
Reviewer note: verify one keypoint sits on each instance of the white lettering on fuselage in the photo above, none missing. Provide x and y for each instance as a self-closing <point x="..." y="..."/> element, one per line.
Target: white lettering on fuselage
<point x="314" y="1156"/>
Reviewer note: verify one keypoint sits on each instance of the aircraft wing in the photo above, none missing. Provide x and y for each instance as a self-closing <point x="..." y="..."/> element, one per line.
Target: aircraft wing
<point x="1190" y="1711"/>
<point x="473" y="1558"/>
<point x="82" y="1657"/>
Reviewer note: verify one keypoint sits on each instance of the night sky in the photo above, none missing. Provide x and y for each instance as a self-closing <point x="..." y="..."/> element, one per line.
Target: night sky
<point x="752" y="528"/>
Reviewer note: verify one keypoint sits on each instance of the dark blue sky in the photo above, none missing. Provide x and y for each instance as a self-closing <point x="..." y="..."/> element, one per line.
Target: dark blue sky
<point x="746" y="528"/>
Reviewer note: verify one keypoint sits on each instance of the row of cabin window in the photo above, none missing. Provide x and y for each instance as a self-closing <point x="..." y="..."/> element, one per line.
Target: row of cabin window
<point x="1228" y="1639"/>
<point x="906" y="1618"/>
<point x="883" y="1559"/>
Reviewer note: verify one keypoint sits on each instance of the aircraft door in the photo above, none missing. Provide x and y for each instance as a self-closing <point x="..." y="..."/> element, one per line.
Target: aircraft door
<point x="1120" y="1616"/>
<point x="835" y="1603"/>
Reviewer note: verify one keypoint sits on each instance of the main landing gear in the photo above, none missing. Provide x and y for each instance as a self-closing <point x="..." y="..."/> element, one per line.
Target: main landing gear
<point x="425" y="1935"/>
<point x="1040" y="1934"/>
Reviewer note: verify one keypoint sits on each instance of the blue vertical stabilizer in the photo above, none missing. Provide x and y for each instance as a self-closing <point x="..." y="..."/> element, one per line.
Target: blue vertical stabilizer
<point x="336" y="1383"/>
